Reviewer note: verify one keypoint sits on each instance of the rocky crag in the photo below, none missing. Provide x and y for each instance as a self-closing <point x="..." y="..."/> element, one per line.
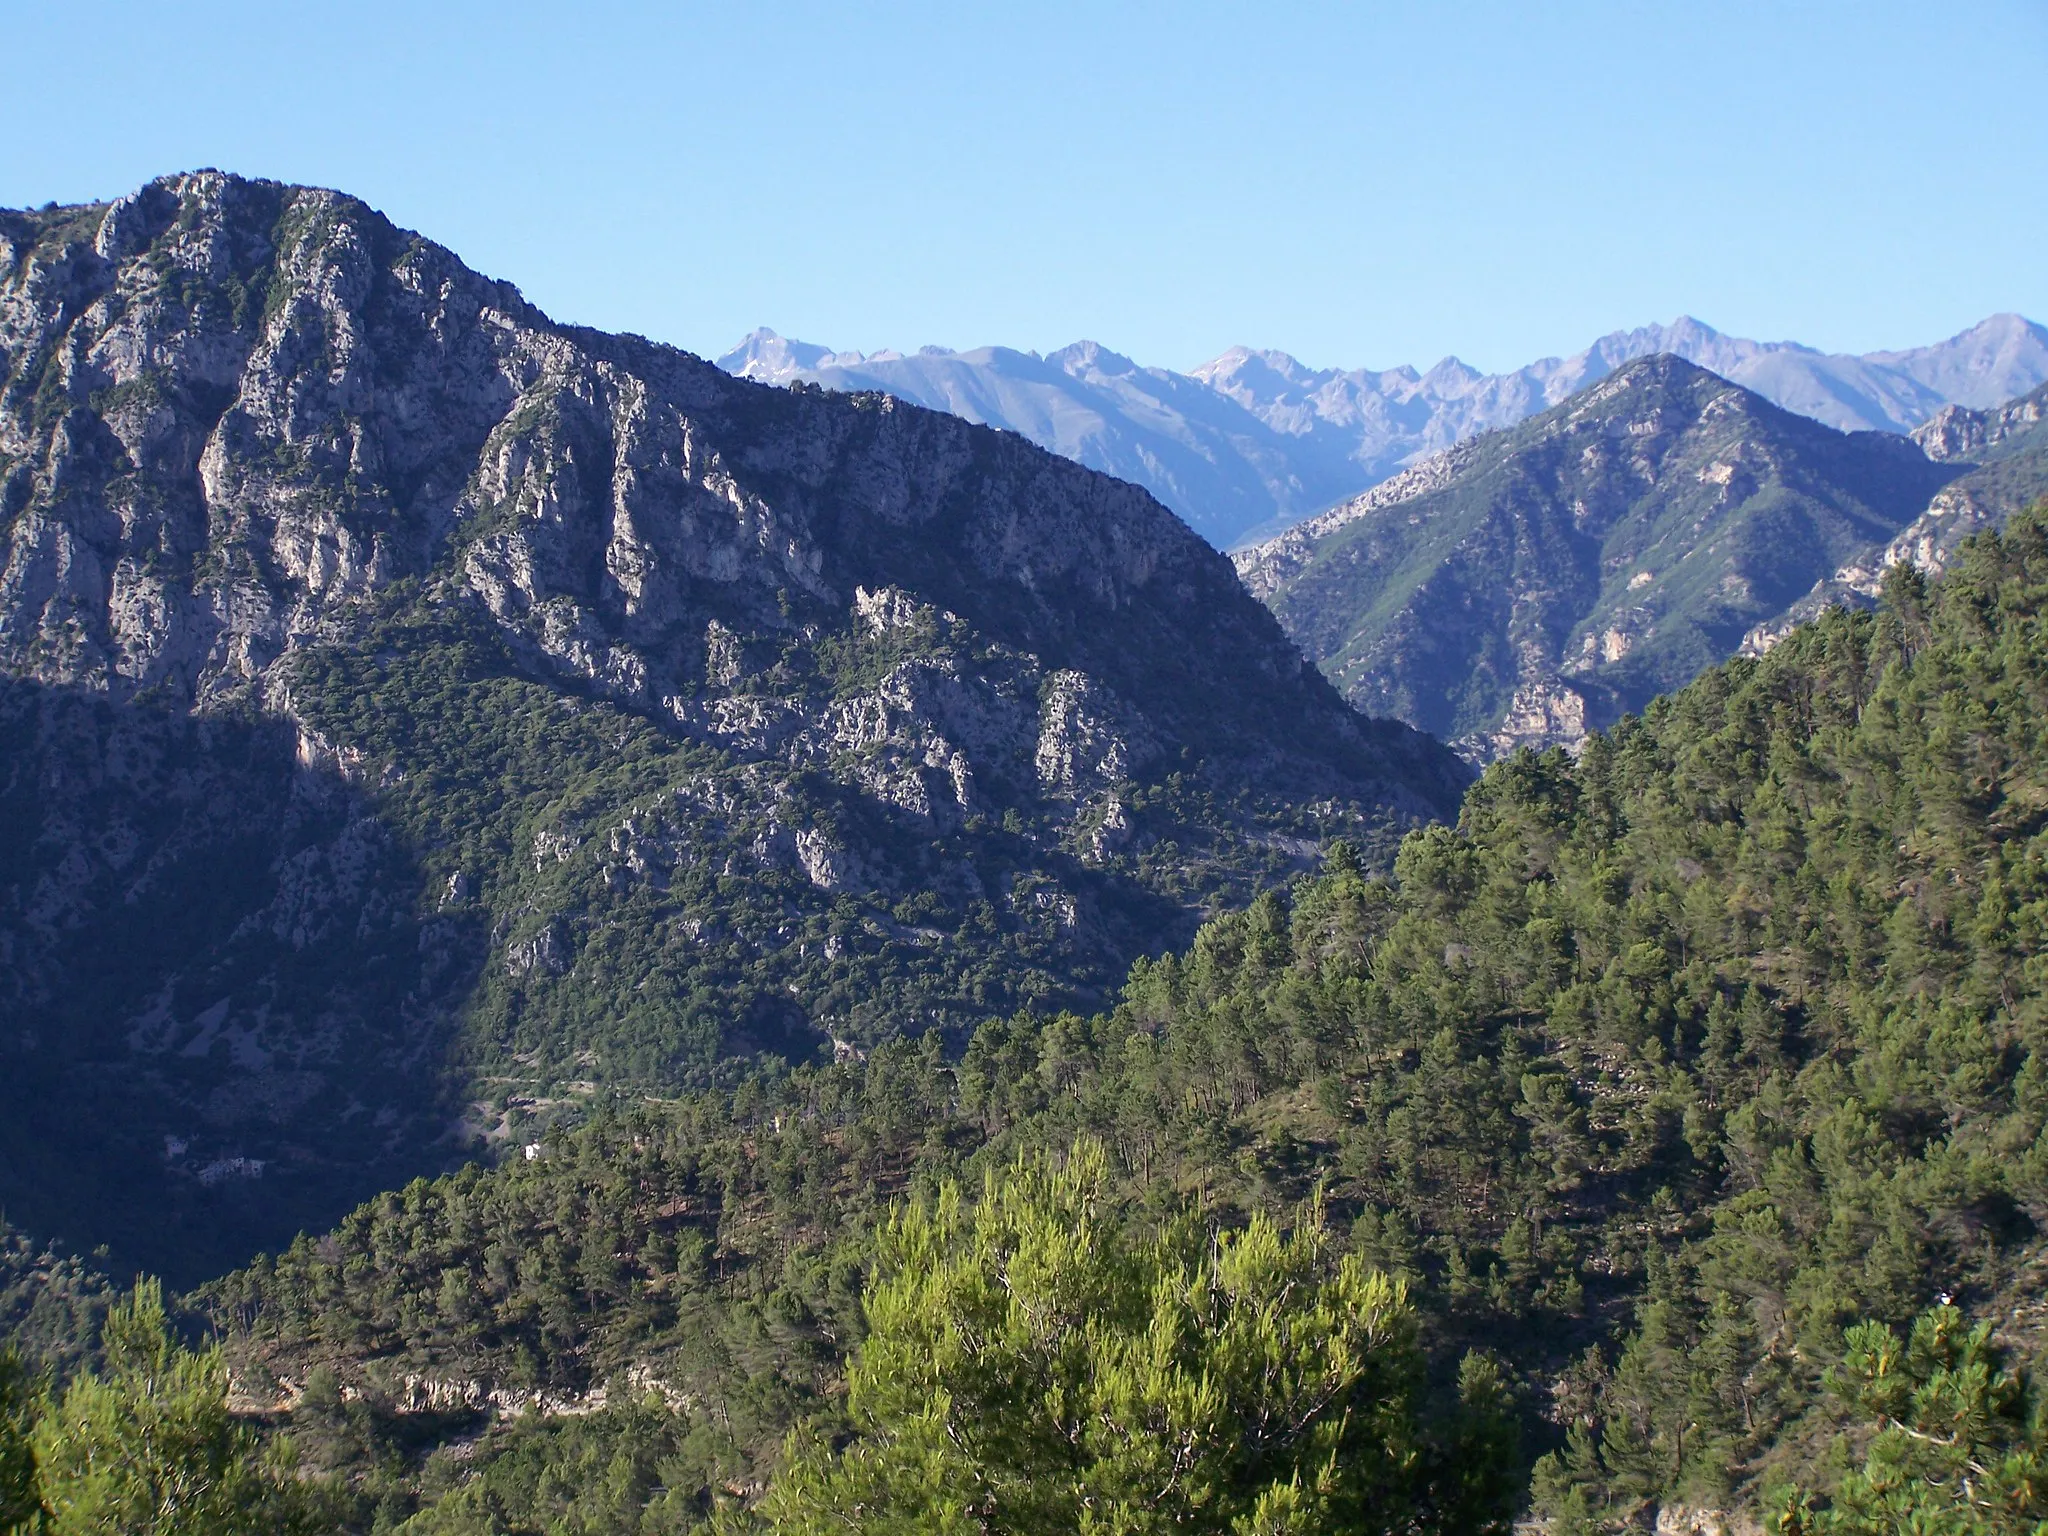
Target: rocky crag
<point x="420" y="714"/>
<point x="1528" y="585"/>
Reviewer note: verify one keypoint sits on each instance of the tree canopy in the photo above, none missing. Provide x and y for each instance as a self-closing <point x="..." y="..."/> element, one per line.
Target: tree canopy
<point x="1034" y="1364"/>
<point x="1656" y="1078"/>
<point x="148" y="1447"/>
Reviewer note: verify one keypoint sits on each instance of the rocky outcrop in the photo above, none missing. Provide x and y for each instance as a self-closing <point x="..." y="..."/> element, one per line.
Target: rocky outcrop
<point x="1266" y="568"/>
<point x="2001" y="458"/>
<point x="1545" y="712"/>
<point x="237" y="411"/>
<point x="698" y="717"/>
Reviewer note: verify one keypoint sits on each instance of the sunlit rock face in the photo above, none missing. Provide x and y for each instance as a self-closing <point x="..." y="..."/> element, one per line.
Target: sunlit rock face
<point x="566" y="710"/>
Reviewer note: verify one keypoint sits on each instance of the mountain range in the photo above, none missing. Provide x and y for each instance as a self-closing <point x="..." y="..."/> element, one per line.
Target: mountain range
<point x="1531" y="584"/>
<point x="1254" y="440"/>
<point x="417" y="714"/>
<point x="538" y="879"/>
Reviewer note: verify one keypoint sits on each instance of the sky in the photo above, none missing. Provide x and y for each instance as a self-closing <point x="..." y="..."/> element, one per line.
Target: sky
<point x="1358" y="184"/>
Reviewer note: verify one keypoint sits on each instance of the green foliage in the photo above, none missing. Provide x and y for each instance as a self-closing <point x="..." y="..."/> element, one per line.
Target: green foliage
<point x="1035" y="1365"/>
<point x="310" y="899"/>
<point x="1548" y="542"/>
<point x="1657" y="1073"/>
<point x="628" y="1469"/>
<point x="1956" y="1445"/>
<point x="149" y="1448"/>
<point x="51" y="1303"/>
<point x="21" y="1503"/>
<point x="650" y="918"/>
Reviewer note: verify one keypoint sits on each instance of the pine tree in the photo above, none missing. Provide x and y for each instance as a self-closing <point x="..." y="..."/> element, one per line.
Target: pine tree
<point x="150" y="1448"/>
<point x="1955" y="1451"/>
<point x="1034" y="1366"/>
<point x="21" y="1505"/>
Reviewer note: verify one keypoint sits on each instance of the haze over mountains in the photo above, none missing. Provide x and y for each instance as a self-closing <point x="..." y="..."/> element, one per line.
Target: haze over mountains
<point x="1531" y="584"/>
<point x="718" y="813"/>
<point x="1254" y="440"/>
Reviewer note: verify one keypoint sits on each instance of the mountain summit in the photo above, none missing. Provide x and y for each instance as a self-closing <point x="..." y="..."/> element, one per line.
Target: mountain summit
<point x="1528" y="584"/>
<point x="1281" y="440"/>
<point x="417" y="711"/>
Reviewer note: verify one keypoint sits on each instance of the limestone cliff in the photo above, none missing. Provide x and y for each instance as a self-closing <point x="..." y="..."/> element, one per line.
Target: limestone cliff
<point x="507" y="710"/>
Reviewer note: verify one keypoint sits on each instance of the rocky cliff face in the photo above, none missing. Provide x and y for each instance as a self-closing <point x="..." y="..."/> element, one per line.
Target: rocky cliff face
<point x="1528" y="585"/>
<point x="636" y="716"/>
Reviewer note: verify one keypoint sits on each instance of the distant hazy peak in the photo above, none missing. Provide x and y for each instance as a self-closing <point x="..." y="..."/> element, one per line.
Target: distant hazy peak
<point x="1090" y="356"/>
<point x="764" y="356"/>
<point x="1452" y="372"/>
<point x="1240" y="360"/>
<point x="1978" y="367"/>
<point x="769" y="358"/>
<point x="1255" y="439"/>
<point x="1995" y="332"/>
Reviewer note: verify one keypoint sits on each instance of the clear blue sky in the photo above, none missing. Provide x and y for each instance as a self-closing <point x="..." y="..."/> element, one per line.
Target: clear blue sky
<point x="1358" y="184"/>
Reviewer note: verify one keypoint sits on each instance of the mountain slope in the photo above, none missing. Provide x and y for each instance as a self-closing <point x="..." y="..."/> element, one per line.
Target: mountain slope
<point x="1531" y="582"/>
<point x="2003" y="456"/>
<point x="439" y="711"/>
<point x="1994" y="361"/>
<point x="1282" y="440"/>
<point x="1664" y="1065"/>
<point x="1221" y="468"/>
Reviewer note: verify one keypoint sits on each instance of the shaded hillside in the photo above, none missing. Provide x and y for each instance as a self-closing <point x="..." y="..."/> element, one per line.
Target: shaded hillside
<point x="439" y="711"/>
<point x="1532" y="583"/>
<point x="2003" y="456"/>
<point x="1660" y="1069"/>
<point x="222" y="1013"/>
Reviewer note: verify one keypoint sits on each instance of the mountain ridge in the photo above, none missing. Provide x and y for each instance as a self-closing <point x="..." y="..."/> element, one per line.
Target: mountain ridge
<point x="628" y="718"/>
<point x="2005" y="453"/>
<point x="1531" y="583"/>
<point x="1303" y="438"/>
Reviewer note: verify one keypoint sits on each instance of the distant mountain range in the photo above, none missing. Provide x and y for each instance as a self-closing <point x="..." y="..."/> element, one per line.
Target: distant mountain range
<point x="1531" y="584"/>
<point x="1255" y="440"/>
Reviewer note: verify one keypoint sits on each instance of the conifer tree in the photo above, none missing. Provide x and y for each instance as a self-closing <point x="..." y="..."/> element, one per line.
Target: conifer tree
<point x="149" y="1448"/>
<point x="1035" y="1366"/>
<point x="1954" y="1446"/>
<point x="21" y="1505"/>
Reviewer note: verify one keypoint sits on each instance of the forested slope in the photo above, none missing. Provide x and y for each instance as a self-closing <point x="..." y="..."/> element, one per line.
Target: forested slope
<point x="1656" y="1073"/>
<point x="1528" y="584"/>
<point x="413" y="710"/>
